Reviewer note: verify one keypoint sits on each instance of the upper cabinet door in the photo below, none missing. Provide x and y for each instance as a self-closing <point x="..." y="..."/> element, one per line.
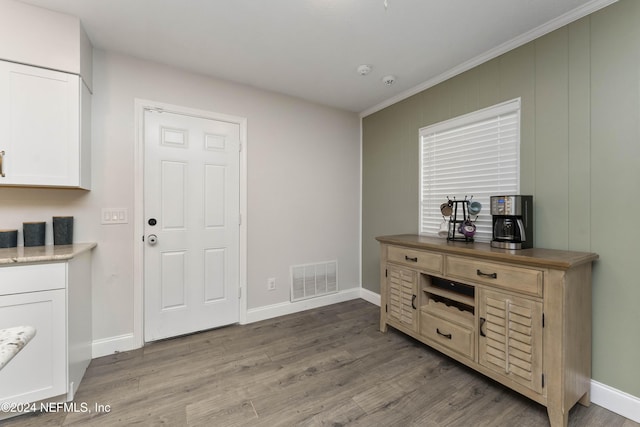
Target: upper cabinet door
<point x="40" y="127"/>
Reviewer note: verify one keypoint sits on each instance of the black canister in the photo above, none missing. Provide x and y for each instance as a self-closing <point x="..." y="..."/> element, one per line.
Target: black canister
<point x="8" y="238"/>
<point x="33" y="233"/>
<point x="62" y="230"/>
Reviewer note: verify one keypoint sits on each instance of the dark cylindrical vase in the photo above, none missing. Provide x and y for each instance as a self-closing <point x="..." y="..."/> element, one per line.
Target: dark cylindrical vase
<point x="33" y="233"/>
<point x="8" y="238"/>
<point x="62" y="230"/>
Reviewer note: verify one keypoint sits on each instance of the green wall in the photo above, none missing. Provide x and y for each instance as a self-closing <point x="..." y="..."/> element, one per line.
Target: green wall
<point x="580" y="158"/>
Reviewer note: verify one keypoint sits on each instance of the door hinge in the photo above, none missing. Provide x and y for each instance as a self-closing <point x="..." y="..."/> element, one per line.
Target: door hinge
<point x="543" y="320"/>
<point x="240" y="148"/>
<point x="239" y="293"/>
<point x="239" y="219"/>
<point x="386" y="308"/>
<point x="542" y="380"/>
<point x="386" y="273"/>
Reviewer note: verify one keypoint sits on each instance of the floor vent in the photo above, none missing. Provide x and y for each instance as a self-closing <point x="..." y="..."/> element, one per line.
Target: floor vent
<point x="313" y="280"/>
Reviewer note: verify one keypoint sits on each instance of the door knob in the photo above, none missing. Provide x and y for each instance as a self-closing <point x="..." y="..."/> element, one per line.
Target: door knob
<point x="152" y="239"/>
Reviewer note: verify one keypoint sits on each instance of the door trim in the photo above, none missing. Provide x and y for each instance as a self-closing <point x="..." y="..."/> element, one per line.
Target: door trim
<point x="138" y="216"/>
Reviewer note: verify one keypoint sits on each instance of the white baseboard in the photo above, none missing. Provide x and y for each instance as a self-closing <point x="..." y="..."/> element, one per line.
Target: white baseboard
<point x="107" y="346"/>
<point x="615" y="401"/>
<point x="284" y="308"/>
<point x="369" y="296"/>
<point x="127" y="342"/>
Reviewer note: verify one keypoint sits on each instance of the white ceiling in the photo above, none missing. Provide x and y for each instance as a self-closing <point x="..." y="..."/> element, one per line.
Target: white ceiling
<point x="311" y="48"/>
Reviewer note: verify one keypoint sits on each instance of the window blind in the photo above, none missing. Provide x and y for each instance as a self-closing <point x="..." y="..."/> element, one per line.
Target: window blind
<point x="476" y="155"/>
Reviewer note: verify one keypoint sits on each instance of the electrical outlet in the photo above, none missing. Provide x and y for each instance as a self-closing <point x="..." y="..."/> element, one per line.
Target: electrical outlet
<point x="271" y="283"/>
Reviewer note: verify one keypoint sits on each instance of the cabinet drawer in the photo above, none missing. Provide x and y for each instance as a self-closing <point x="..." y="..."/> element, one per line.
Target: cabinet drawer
<point x="17" y="279"/>
<point x="454" y="337"/>
<point x="518" y="279"/>
<point x="419" y="259"/>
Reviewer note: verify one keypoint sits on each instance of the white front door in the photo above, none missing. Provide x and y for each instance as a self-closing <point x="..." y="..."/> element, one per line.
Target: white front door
<point x="191" y="213"/>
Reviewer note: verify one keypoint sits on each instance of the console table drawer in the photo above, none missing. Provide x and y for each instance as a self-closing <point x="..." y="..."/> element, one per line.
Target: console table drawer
<point x="447" y="334"/>
<point x="517" y="279"/>
<point x="418" y="259"/>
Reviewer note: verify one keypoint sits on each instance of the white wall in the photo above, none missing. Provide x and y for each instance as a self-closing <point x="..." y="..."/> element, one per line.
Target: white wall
<point x="303" y="183"/>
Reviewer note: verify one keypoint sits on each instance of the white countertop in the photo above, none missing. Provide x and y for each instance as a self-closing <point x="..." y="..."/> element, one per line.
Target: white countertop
<point x="46" y="253"/>
<point x="12" y="340"/>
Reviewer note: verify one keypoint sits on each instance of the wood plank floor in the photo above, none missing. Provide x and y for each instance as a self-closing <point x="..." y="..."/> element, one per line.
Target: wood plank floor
<point x="324" y="367"/>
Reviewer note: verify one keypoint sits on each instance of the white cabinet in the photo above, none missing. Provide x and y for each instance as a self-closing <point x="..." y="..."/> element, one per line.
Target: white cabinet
<point x="39" y="372"/>
<point x="44" y="128"/>
<point x="55" y="299"/>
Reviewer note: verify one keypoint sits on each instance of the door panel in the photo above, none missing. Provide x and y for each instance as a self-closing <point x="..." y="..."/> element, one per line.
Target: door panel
<point x="173" y="191"/>
<point x="214" y="275"/>
<point x="39" y="370"/>
<point x="511" y="343"/>
<point x="192" y="189"/>
<point x="214" y="196"/>
<point x="173" y="265"/>
<point x="402" y="297"/>
<point x="40" y="123"/>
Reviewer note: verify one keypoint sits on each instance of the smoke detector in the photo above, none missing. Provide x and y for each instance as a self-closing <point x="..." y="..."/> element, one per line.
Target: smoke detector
<point x="389" y="80"/>
<point x="364" y="69"/>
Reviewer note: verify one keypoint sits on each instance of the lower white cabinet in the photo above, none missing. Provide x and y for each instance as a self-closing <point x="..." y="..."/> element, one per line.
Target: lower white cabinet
<point x="40" y="370"/>
<point x="55" y="299"/>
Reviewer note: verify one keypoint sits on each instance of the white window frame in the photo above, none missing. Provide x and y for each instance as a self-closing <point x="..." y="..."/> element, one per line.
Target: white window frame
<point x="506" y="180"/>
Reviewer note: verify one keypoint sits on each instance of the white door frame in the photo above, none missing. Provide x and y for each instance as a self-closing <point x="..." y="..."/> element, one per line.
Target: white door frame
<point x="138" y="216"/>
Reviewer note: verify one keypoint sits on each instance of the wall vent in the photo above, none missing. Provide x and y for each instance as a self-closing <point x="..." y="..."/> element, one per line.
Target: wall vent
<point x="313" y="280"/>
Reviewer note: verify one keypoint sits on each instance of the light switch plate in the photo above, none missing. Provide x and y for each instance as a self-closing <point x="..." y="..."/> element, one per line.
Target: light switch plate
<point x="114" y="216"/>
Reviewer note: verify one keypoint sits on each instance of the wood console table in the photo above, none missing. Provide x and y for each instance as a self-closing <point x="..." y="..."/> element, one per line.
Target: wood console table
<point x="521" y="317"/>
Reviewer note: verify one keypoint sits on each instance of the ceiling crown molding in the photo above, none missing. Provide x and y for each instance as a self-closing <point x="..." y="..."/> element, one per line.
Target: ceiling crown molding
<point x="554" y="24"/>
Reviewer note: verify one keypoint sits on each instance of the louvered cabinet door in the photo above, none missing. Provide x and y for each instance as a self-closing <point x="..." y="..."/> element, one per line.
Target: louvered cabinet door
<point x="511" y="337"/>
<point x="402" y="306"/>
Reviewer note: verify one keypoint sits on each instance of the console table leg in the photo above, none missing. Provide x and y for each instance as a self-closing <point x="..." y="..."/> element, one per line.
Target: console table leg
<point x="585" y="400"/>
<point x="557" y="418"/>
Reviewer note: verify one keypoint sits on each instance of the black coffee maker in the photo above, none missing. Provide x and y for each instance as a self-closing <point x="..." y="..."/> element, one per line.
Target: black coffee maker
<point x="512" y="222"/>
